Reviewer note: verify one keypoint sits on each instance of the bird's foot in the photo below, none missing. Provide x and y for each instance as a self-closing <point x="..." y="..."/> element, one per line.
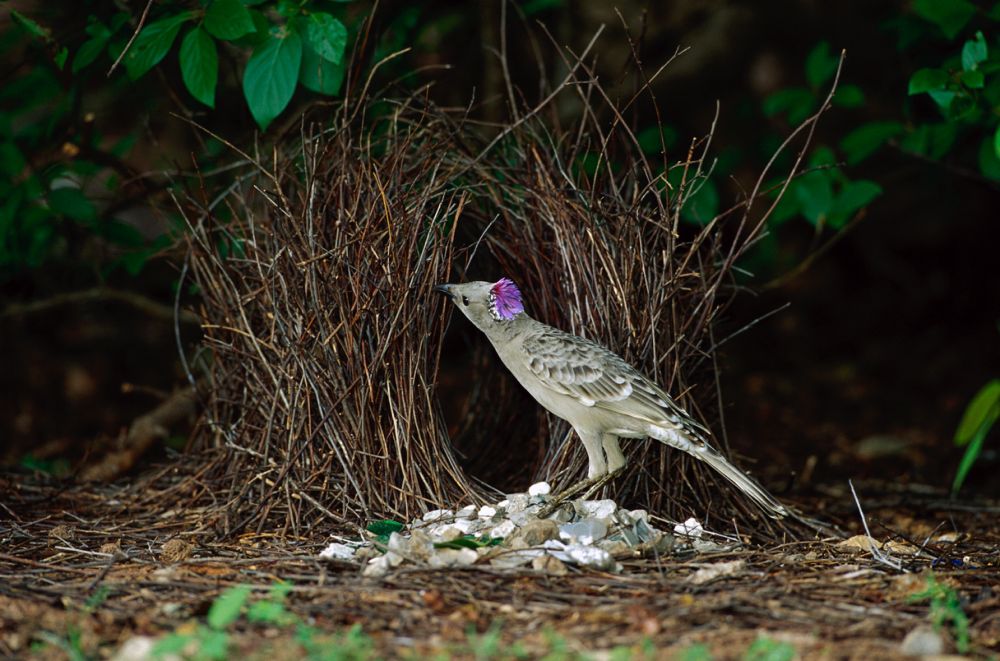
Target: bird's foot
<point x="600" y="482"/>
<point x="590" y="486"/>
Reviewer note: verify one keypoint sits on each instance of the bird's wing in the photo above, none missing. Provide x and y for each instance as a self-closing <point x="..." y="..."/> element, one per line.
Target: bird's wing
<point x="597" y="377"/>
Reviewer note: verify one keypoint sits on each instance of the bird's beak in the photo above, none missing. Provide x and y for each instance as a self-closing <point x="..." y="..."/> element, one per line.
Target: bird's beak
<point x="446" y="290"/>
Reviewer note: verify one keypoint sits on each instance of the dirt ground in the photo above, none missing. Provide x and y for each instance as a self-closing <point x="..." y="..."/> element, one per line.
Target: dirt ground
<point x="84" y="569"/>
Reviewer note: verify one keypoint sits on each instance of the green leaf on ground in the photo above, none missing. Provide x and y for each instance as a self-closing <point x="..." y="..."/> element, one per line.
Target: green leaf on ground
<point x="384" y="527"/>
<point x="226" y="608"/>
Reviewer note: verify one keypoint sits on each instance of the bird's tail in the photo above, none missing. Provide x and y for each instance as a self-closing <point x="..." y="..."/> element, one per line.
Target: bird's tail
<point x="699" y="449"/>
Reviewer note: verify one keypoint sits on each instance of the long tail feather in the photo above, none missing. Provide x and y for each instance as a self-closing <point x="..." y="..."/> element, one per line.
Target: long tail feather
<point x="698" y="449"/>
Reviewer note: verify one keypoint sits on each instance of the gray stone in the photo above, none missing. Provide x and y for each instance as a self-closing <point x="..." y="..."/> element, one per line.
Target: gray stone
<point x="586" y="531"/>
<point x="550" y="565"/>
<point x="533" y="533"/>
<point x="922" y="641"/>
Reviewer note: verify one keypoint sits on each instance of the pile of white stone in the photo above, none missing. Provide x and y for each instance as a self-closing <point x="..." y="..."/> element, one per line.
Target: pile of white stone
<point x="588" y="533"/>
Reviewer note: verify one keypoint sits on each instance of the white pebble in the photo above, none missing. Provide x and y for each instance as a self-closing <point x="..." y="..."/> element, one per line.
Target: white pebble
<point x="503" y="530"/>
<point x="466" y="512"/>
<point x="338" y="551"/>
<point x="487" y="512"/>
<point x="692" y="528"/>
<point x="539" y="489"/>
<point x="435" y="515"/>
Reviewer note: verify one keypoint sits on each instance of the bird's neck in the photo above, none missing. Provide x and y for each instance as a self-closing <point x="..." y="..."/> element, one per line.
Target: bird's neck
<point x="504" y="331"/>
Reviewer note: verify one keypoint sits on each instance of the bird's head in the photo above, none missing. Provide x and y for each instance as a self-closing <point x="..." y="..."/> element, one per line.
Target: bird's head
<point x="486" y="304"/>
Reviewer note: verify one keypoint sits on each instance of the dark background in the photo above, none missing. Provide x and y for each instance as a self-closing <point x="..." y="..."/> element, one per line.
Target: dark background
<point x="887" y="335"/>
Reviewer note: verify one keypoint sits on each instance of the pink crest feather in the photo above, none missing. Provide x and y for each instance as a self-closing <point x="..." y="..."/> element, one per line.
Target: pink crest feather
<point x="505" y="299"/>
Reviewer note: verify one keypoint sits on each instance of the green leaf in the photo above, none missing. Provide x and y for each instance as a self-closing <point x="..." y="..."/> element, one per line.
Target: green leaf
<point x="172" y="644"/>
<point x="703" y="204"/>
<point x="849" y="96"/>
<point x="982" y="410"/>
<point x="12" y="161"/>
<point x="765" y="649"/>
<point x="270" y="77"/>
<point x="649" y="138"/>
<point x="931" y="140"/>
<point x="271" y="612"/>
<point x="862" y="142"/>
<point x="989" y="161"/>
<point x="973" y="79"/>
<point x="320" y="75"/>
<point x="31" y="25"/>
<point x="974" y="52"/>
<point x="226" y="608"/>
<point x="280" y="591"/>
<point x="943" y="99"/>
<point x="996" y="142"/>
<point x="696" y="652"/>
<point x="89" y="51"/>
<point x="925" y="80"/>
<point x="797" y="102"/>
<point x="949" y="15"/>
<point x="60" y="57"/>
<point x="228" y="20"/>
<point x="466" y="542"/>
<point x="327" y="36"/>
<point x="788" y="206"/>
<point x="822" y="155"/>
<point x="969" y="458"/>
<point x="200" y="65"/>
<point x="853" y="196"/>
<point x="213" y="645"/>
<point x="153" y="44"/>
<point x="815" y="195"/>
<point x="72" y="203"/>
<point x="820" y="65"/>
<point x="384" y="527"/>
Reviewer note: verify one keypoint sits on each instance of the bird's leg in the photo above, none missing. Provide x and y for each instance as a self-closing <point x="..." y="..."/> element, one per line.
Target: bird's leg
<point x="597" y="472"/>
<point x="616" y="464"/>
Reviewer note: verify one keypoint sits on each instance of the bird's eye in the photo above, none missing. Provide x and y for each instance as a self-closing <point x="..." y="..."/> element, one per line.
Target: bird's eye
<point x="465" y="300"/>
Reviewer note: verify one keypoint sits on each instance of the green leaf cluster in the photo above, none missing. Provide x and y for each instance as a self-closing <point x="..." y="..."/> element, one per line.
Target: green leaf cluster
<point x="305" y="48"/>
<point x="824" y="195"/>
<point x="211" y="640"/>
<point x="964" y="86"/>
<point x="55" y="162"/>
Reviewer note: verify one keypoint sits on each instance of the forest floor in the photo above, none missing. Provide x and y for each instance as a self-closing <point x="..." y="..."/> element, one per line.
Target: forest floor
<point x="85" y="569"/>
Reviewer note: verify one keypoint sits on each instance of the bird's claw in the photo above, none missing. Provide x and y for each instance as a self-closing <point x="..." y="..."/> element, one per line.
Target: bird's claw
<point x="589" y="486"/>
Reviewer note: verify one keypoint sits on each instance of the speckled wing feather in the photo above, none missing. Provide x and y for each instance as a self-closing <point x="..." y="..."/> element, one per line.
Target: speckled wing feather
<point x="596" y="377"/>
